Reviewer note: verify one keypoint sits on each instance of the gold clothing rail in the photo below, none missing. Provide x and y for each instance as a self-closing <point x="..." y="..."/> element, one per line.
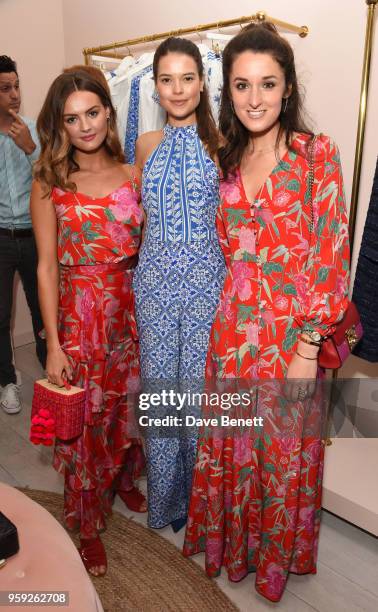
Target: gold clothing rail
<point x="369" y="35"/>
<point x="258" y="17"/>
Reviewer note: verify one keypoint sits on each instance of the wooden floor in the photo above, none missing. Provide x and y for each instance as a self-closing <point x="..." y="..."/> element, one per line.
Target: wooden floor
<point x="347" y="578"/>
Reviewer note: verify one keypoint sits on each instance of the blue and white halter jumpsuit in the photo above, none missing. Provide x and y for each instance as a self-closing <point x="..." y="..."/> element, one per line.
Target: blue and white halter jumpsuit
<point x="177" y="286"/>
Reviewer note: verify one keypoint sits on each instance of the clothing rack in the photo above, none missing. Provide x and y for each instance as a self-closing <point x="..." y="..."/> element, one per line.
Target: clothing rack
<point x="217" y="25"/>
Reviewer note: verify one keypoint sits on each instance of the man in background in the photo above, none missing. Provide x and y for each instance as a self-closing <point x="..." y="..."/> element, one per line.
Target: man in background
<point x="18" y="150"/>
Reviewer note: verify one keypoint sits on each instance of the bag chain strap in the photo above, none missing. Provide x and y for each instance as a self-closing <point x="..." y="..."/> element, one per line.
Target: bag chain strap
<point x="311" y="180"/>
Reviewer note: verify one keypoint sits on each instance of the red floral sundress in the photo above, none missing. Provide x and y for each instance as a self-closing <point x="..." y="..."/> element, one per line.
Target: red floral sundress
<point x="256" y="495"/>
<point x="97" y="239"/>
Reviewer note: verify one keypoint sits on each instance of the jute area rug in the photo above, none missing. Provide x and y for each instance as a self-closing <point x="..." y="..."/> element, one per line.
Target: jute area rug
<point x="146" y="573"/>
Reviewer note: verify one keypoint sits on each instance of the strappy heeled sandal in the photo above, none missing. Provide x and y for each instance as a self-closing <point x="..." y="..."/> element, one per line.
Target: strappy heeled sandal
<point x="92" y="553"/>
<point x="134" y="499"/>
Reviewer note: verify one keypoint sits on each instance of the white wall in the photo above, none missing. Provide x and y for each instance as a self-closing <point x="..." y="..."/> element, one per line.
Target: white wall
<point x="32" y="34"/>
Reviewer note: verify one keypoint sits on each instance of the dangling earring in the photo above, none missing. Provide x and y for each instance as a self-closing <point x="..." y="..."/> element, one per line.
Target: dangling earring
<point x="232" y="106"/>
<point x="285" y="105"/>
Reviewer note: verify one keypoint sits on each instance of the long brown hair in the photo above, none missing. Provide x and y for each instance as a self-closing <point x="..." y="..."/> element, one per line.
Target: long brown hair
<point x="259" y="38"/>
<point x="207" y="130"/>
<point x="56" y="162"/>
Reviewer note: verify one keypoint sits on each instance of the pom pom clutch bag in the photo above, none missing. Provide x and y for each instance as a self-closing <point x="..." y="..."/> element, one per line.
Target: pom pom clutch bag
<point x="56" y="412"/>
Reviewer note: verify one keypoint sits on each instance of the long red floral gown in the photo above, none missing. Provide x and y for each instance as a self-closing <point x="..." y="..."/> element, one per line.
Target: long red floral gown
<point x="97" y="239"/>
<point x="256" y="495"/>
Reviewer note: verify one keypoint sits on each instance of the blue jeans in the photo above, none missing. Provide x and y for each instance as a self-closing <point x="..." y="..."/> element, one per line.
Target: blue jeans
<point x="18" y="254"/>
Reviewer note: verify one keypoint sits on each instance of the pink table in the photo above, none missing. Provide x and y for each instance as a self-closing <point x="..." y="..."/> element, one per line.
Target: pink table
<point x="47" y="560"/>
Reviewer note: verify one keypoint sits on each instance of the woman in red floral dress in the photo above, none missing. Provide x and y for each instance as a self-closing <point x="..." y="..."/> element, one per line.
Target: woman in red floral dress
<point x="87" y="223"/>
<point x="256" y="496"/>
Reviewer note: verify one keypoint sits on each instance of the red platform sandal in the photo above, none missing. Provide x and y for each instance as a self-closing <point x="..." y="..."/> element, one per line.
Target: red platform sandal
<point x="134" y="499"/>
<point x="93" y="556"/>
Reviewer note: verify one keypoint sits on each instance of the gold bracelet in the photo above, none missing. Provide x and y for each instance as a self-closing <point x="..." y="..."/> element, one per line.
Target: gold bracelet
<point x="309" y="358"/>
<point x="312" y="342"/>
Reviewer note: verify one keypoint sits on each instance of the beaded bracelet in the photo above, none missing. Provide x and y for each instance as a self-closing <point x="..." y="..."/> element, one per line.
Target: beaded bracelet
<point x="309" y="358"/>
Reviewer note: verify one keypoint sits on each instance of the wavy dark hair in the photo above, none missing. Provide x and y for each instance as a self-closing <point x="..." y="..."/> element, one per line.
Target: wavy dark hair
<point x="56" y="162"/>
<point x="259" y="38"/>
<point x="207" y="129"/>
<point x="7" y="64"/>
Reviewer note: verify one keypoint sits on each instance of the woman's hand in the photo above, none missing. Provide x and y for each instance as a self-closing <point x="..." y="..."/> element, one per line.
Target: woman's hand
<point x="301" y="373"/>
<point x="58" y="367"/>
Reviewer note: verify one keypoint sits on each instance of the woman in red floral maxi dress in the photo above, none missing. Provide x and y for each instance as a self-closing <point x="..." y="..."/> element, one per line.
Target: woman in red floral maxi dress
<point x="88" y="302"/>
<point x="256" y="496"/>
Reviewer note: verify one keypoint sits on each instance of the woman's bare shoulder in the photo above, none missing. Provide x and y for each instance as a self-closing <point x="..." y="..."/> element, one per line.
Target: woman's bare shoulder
<point x="132" y="172"/>
<point x="145" y="144"/>
<point x="150" y="138"/>
<point x="40" y="192"/>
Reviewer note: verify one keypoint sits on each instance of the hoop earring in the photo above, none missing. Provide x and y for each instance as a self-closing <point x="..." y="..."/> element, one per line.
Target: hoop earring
<point x="107" y="127"/>
<point x="285" y="105"/>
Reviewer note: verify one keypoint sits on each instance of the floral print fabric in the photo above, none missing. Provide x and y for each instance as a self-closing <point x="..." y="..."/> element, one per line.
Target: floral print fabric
<point x="97" y="331"/>
<point x="177" y="285"/>
<point x="256" y="495"/>
<point x="275" y="285"/>
<point x="98" y="230"/>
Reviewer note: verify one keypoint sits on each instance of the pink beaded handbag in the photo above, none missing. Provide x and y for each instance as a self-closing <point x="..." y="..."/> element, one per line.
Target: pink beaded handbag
<point x="56" y="412"/>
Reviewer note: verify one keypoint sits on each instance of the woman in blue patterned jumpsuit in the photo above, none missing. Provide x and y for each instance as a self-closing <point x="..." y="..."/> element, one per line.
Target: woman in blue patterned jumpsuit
<point x="181" y="267"/>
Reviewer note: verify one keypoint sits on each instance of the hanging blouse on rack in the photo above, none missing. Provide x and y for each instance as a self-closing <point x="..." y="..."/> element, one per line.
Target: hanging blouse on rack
<point x="120" y="88"/>
<point x="151" y="115"/>
<point x="214" y="80"/>
<point x="133" y="115"/>
<point x="118" y="85"/>
<point x="365" y="291"/>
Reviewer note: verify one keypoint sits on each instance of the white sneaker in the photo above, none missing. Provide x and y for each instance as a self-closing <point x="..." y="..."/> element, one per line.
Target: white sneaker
<point x="10" y="400"/>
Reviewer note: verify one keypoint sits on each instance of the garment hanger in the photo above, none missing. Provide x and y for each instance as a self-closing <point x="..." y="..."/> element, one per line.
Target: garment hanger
<point x="128" y="54"/>
<point x="115" y="51"/>
<point x="199" y="36"/>
<point x="215" y="38"/>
